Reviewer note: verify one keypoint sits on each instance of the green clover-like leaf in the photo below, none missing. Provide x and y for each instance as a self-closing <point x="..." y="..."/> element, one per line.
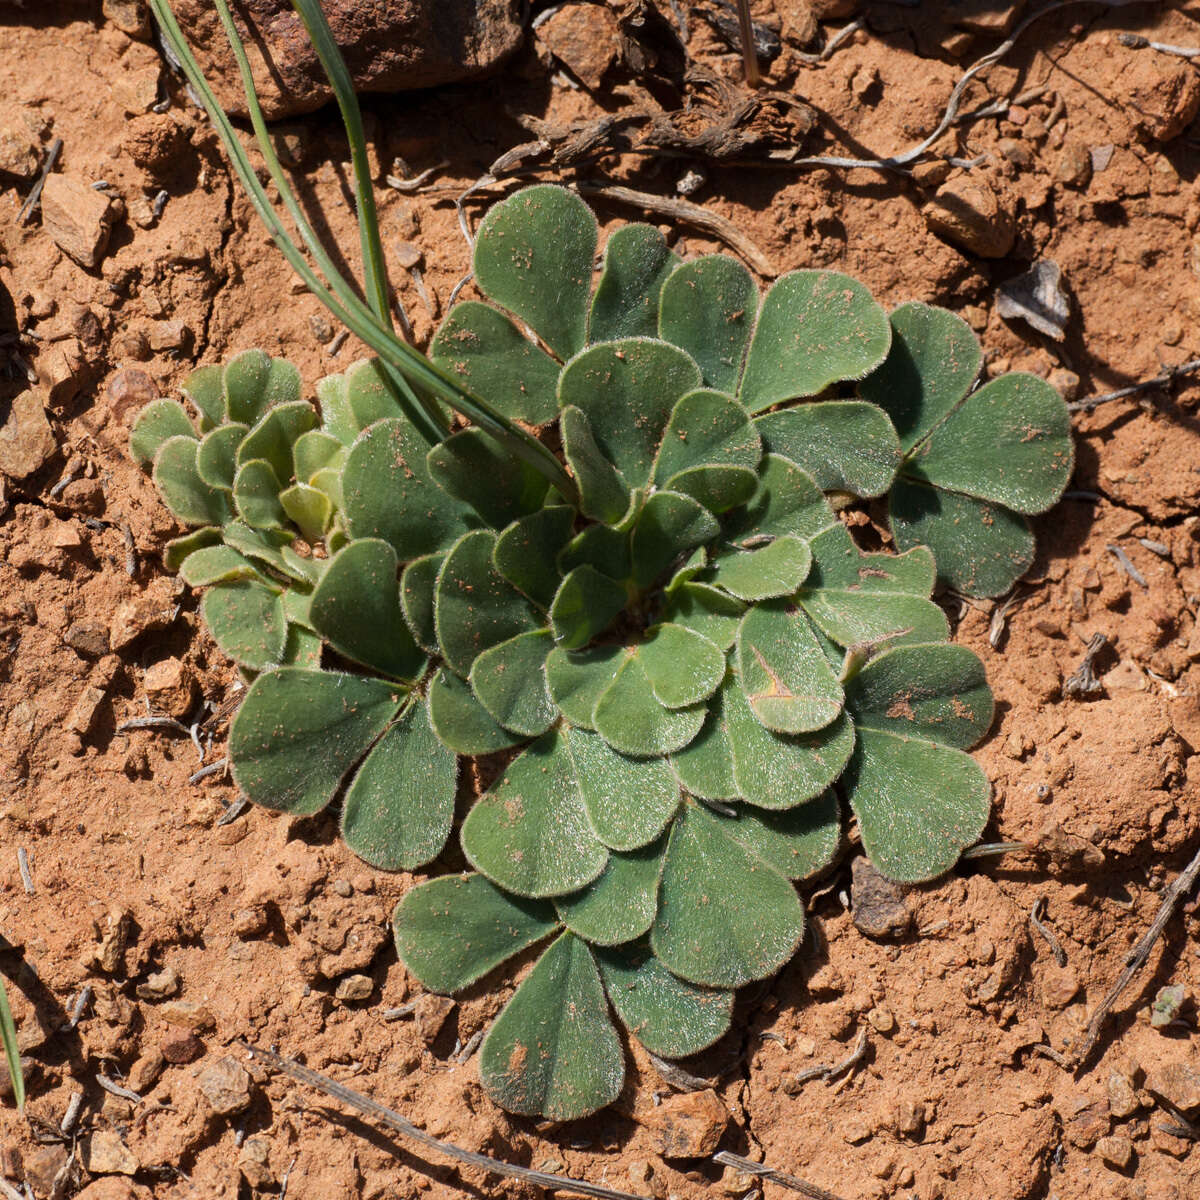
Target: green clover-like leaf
<point x="526" y="553"/>
<point x="631" y="718"/>
<point x="254" y="383"/>
<point x="530" y="832"/>
<point x="298" y="733"/>
<point x="451" y="931"/>
<point x="776" y="569"/>
<point x="815" y="328"/>
<point x="461" y="722"/>
<point x="625" y="304"/>
<point x="533" y="256"/>
<point x="179" y="483"/>
<point x="619" y="906"/>
<point x="216" y="458"/>
<point x="247" y="621"/>
<point x="725" y="917"/>
<point x="474" y="468"/>
<point x="398" y="809"/>
<point x="553" y="1051"/>
<point x="509" y="680"/>
<point x="156" y="424"/>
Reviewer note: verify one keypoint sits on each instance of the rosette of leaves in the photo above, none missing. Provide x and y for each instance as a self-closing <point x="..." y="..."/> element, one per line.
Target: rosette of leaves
<point x="686" y="671"/>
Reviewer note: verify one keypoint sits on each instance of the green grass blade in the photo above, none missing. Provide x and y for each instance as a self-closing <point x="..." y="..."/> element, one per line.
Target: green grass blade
<point x="8" y="1034"/>
<point x="347" y="307"/>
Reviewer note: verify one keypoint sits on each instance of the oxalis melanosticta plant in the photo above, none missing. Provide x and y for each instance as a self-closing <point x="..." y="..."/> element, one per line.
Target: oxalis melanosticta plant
<point x="686" y="663"/>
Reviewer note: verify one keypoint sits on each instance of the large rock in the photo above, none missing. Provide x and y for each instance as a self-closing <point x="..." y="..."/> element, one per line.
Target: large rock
<point x="389" y="45"/>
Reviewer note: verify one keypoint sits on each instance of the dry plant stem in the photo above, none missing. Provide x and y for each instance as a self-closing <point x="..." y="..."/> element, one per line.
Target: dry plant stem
<point x="689" y="214"/>
<point x="1162" y="380"/>
<point x="788" y="1181"/>
<point x="1123" y="561"/>
<point x="1060" y="955"/>
<point x="749" y="57"/>
<point x="1136" y="41"/>
<point x="31" y="201"/>
<point x="393" y="1120"/>
<point x="1137" y="957"/>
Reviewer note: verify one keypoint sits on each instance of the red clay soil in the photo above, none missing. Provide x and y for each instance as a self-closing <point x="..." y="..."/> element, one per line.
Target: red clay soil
<point x="191" y="934"/>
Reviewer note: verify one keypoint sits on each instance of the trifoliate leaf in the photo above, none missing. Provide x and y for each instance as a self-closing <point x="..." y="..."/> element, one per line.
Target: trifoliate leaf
<point x="492" y="358"/>
<point x="859" y="599"/>
<point x="705" y="765"/>
<point x="474" y="606"/>
<point x="784" y="672"/>
<point x="919" y="804"/>
<point x="845" y="445"/>
<point x="526" y="553"/>
<point x="799" y="842"/>
<point x="298" y="732"/>
<point x="389" y="494"/>
<point x="271" y="440"/>
<point x="1009" y="443"/>
<point x="776" y="569"/>
<point x="472" y="466"/>
<point x="724" y="916"/>
<point x="628" y="801"/>
<point x="356" y="608"/>
<point x="452" y="931"/>
<point x="461" y="722"/>
<point x="308" y="508"/>
<point x="216" y="458"/>
<point x="933" y="360"/>
<point x="316" y="451"/>
<point x="981" y="548"/>
<point x="255" y="382"/>
<point x="159" y="421"/>
<point x="530" y="833"/>
<point x="585" y="604"/>
<point x="669" y="1016"/>
<point x="937" y="692"/>
<point x="578" y="680"/>
<point x="509" y="680"/>
<point x="246" y="620"/>
<point x="533" y="256"/>
<point x="216" y="564"/>
<point x="683" y="666"/>
<point x="599" y="546"/>
<point x="815" y="328"/>
<point x="620" y="905"/>
<point x="669" y="526"/>
<point x="398" y="810"/>
<point x="553" y="1051"/>
<point x="630" y="718"/>
<point x="627" y="390"/>
<point x="188" y="497"/>
<point x="256" y="495"/>
<point x="708" y="308"/>
<point x="778" y="771"/>
<point x="625" y="303"/>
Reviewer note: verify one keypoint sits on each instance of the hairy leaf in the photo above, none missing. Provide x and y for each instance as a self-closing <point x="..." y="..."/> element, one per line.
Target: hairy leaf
<point x="669" y="526"/>
<point x="417" y="584"/>
<point x="553" y="1051"/>
<point x="159" y="421"/>
<point x="473" y="467"/>
<point x="585" y="604"/>
<point x="799" y="842"/>
<point x="776" y="569"/>
<point x="683" y="666"/>
<point x="246" y="620"/>
<point x="526" y="553"/>
<point x="603" y="494"/>
<point x="578" y="680"/>
<point x="509" y="680"/>
<point x="188" y="497"/>
<point x="620" y="905"/>
<point x="255" y="382"/>
<point x="271" y="440"/>
<point x="398" y="810"/>
<point x="461" y="722"/>
<point x="625" y="303"/>
<point x="631" y="719"/>
<point x="216" y="458"/>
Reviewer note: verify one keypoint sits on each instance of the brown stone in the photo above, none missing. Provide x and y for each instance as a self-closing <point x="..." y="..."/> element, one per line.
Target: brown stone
<point x="355" y="988"/>
<point x="429" y="1014"/>
<point x="226" y="1087"/>
<point x="1116" y="1150"/>
<point x="18" y="143"/>
<point x="154" y="609"/>
<point x="83" y="713"/>
<point x="181" y="1047"/>
<point x="103" y="1153"/>
<point x="113" y="934"/>
<point x="159" y="986"/>
<point x="171" y="687"/>
<point x="878" y="904"/>
<point x="688" y="1125"/>
<point x="390" y="45"/>
<point x="155" y="141"/>
<point x="986" y="16"/>
<point x="1060" y="985"/>
<point x="1074" y="165"/>
<point x="1176" y="1077"/>
<point x="90" y="641"/>
<point x="144" y="1073"/>
<point x="77" y="217"/>
<point x="114" y="1187"/>
<point x="254" y="1162"/>
<point x="584" y="38"/>
<point x="1122" y="1095"/>
<point x="1163" y="99"/>
<point x="42" y="1167"/>
<point x="187" y="1014"/>
<point x="831" y="10"/>
<point x="128" y="392"/>
<point x="26" y="440"/>
<point x="1086" y="1122"/>
<point x="967" y="212"/>
<point x="131" y="17"/>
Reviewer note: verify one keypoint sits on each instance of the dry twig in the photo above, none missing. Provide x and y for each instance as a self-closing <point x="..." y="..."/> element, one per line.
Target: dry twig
<point x="393" y="1120"/>
<point x="1039" y="905"/>
<point x="35" y="194"/>
<point x="1138" y="956"/>
<point x="784" y="1180"/>
<point x="1164" y="379"/>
